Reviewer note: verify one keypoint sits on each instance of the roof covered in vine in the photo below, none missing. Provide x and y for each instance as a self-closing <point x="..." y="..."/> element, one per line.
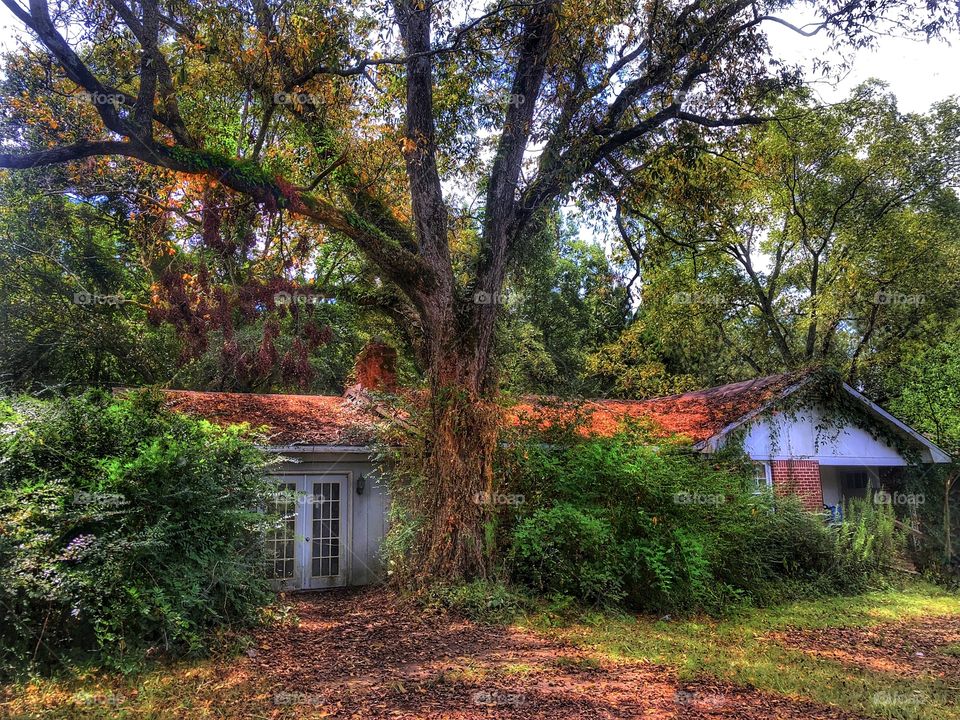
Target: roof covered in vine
<point x="286" y="420"/>
<point x="697" y="415"/>
<point x="289" y="420"/>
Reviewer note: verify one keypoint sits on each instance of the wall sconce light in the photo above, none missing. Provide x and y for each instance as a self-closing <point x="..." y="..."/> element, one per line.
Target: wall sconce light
<point x="361" y="483"/>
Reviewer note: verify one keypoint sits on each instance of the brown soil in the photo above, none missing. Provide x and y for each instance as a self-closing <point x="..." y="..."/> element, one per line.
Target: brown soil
<point x="929" y="645"/>
<point x="363" y="654"/>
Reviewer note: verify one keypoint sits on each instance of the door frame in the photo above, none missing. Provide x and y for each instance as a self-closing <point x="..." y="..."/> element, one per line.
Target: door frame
<point x="303" y="527"/>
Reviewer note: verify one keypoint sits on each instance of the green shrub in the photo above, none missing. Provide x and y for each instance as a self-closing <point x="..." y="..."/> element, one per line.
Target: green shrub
<point x="935" y="486"/>
<point x="635" y="519"/>
<point x="562" y="549"/>
<point x="868" y="541"/>
<point x="124" y="529"/>
<point x="482" y="601"/>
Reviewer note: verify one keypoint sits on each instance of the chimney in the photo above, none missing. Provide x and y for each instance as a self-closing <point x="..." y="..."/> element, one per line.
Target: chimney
<point x="376" y="367"/>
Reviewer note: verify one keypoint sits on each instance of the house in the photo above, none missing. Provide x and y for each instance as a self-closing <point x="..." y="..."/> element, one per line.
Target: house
<point x="822" y="445"/>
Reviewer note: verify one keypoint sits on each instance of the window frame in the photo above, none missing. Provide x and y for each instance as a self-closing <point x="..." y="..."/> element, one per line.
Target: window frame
<point x="767" y="485"/>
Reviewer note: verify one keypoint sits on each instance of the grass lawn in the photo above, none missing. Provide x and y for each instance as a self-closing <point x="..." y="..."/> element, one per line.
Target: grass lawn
<point x="739" y="650"/>
<point x="598" y="649"/>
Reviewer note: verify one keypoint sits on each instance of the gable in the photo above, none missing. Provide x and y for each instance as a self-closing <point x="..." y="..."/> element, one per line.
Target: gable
<point x="866" y="434"/>
<point x="810" y="433"/>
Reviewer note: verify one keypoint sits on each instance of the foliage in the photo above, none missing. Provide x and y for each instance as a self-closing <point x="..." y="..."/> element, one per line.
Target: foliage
<point x="927" y="544"/>
<point x="72" y="296"/>
<point x="563" y="305"/>
<point x="927" y="390"/>
<point x="868" y="540"/>
<point x="484" y="601"/>
<point x="562" y="549"/>
<point x="823" y="237"/>
<point x="642" y="363"/>
<point x="641" y="520"/>
<point x="125" y="530"/>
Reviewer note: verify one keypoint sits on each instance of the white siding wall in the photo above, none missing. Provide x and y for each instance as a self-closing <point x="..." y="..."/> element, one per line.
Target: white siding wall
<point x="804" y="435"/>
<point x="367" y="521"/>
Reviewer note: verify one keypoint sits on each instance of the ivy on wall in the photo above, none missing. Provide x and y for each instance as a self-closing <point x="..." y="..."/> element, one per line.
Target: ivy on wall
<point x="838" y="411"/>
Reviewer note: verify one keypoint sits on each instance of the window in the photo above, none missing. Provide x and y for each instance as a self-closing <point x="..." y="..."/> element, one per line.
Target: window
<point x="855" y="479"/>
<point x="762" y="480"/>
<point x="280" y="540"/>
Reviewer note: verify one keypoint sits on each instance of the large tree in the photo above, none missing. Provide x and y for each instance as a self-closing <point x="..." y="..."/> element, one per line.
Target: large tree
<point x="826" y="236"/>
<point x="437" y="137"/>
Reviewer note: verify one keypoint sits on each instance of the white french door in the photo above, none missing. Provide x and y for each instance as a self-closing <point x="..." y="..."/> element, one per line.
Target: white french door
<point x="307" y="549"/>
<point x="325" y="538"/>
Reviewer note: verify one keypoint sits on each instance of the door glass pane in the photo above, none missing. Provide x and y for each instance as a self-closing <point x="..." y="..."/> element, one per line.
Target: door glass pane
<point x="280" y="540"/>
<point x="326" y="529"/>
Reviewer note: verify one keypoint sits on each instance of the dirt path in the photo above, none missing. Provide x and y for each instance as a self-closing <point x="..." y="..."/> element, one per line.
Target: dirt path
<point x="362" y="654"/>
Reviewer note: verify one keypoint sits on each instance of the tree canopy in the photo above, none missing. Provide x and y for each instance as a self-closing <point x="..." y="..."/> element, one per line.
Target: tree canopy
<point x="413" y="159"/>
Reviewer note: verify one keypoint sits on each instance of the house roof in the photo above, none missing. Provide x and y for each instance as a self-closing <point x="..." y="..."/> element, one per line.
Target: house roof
<point x="698" y="415"/>
<point x="287" y="419"/>
<point x="701" y="416"/>
<point x="338" y="421"/>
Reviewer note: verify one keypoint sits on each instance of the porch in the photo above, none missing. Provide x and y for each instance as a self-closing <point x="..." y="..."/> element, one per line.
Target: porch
<point x="824" y="486"/>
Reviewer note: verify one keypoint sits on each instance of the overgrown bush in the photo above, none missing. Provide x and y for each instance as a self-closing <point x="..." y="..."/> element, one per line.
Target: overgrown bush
<point x="868" y="540"/>
<point x="636" y="520"/>
<point x="483" y="601"/>
<point x="563" y="549"/>
<point x="124" y="530"/>
<point x="935" y="518"/>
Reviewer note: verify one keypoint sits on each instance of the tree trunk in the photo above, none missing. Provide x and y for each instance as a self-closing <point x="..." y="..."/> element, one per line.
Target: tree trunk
<point x="451" y="500"/>
<point x="460" y="440"/>
<point x="459" y="467"/>
<point x="947" y="539"/>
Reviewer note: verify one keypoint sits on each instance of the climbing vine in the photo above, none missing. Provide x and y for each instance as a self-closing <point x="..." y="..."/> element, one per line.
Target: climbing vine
<point x="838" y="411"/>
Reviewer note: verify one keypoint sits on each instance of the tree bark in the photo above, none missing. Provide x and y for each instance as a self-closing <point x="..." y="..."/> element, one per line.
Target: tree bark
<point x="947" y="539"/>
<point x="461" y="430"/>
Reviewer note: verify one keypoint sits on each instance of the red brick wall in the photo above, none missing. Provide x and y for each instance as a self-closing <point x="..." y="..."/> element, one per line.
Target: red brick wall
<point x="376" y="367"/>
<point x="801" y="478"/>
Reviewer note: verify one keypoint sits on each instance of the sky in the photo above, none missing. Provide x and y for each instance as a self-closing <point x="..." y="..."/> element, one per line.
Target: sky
<point x="918" y="73"/>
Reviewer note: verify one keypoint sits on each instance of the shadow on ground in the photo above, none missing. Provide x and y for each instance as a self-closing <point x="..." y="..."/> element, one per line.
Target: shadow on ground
<point x="364" y="654"/>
